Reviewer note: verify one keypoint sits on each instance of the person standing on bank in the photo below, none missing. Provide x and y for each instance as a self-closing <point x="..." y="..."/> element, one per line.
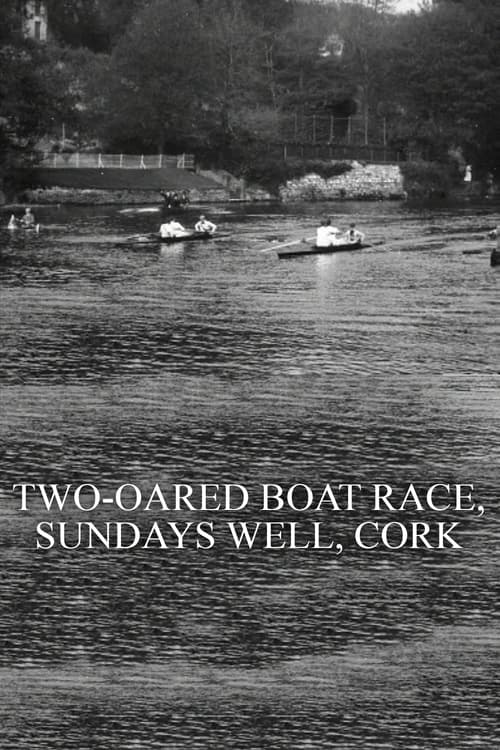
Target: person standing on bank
<point x="468" y="178"/>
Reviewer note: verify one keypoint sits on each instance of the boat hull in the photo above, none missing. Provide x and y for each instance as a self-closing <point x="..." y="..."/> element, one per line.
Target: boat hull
<point x="194" y="237"/>
<point x="315" y="250"/>
<point x="155" y="239"/>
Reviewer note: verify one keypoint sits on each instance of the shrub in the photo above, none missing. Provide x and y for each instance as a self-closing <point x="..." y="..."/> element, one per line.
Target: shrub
<point x="423" y="179"/>
<point x="271" y="172"/>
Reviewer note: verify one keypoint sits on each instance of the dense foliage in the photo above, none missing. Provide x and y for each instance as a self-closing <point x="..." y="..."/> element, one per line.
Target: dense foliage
<point x="220" y="77"/>
<point x="35" y="90"/>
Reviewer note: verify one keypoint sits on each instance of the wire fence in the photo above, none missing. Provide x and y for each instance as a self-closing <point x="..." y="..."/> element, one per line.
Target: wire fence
<point x="297" y="136"/>
<point x="350" y="131"/>
<point x="78" y="160"/>
<point x="335" y="152"/>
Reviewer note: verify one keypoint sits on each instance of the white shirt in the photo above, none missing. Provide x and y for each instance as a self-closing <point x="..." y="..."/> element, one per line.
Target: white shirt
<point x="353" y="235"/>
<point x="172" y="229"/>
<point x="205" y="226"/>
<point x="325" y="236"/>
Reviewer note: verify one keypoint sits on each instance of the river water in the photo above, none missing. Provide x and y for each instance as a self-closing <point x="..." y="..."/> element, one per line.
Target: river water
<point x="220" y="363"/>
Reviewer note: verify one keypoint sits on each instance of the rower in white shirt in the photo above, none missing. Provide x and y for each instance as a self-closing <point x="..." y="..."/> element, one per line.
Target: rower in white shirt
<point x="326" y="234"/>
<point x="172" y="229"/>
<point x="203" y="225"/>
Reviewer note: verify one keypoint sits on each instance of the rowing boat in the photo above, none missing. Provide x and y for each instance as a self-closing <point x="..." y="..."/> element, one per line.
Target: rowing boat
<point x="29" y="229"/>
<point x="154" y="239"/>
<point x="193" y="237"/>
<point x="315" y="250"/>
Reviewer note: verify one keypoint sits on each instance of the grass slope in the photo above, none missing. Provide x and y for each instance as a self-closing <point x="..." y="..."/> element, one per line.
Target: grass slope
<point x="167" y="178"/>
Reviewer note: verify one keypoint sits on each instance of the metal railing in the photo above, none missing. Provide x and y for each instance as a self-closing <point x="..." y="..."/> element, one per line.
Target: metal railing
<point x="79" y="160"/>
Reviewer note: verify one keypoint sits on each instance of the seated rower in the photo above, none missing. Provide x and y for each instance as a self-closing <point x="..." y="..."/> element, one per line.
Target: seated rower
<point x="353" y="235"/>
<point x="28" y="220"/>
<point x="203" y="225"/>
<point x="326" y="234"/>
<point x="167" y="197"/>
<point x="172" y="229"/>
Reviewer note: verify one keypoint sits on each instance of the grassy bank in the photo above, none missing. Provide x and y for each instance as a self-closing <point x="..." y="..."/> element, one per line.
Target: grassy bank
<point x="167" y="178"/>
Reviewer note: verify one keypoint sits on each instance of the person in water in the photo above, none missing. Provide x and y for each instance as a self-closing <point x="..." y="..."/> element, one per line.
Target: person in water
<point x="204" y="225"/>
<point x="172" y="229"/>
<point x="354" y="235"/>
<point x="326" y="234"/>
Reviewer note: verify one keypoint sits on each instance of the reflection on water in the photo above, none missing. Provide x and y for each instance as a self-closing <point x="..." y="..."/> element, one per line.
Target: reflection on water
<point x="217" y="362"/>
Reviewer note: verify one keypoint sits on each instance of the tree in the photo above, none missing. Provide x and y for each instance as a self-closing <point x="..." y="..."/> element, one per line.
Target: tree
<point x="182" y="77"/>
<point x="155" y="91"/>
<point x="34" y="91"/>
<point x="96" y="24"/>
<point x="444" y="75"/>
<point x="366" y="30"/>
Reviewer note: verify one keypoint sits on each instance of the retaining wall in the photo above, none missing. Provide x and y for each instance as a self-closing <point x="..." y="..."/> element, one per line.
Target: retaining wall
<point x="362" y="182"/>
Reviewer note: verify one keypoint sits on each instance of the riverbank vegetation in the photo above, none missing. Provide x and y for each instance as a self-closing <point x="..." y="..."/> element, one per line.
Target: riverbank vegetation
<point x="223" y="78"/>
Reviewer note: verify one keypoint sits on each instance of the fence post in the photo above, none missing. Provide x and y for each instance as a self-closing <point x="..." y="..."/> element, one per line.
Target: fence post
<point x="366" y="129"/>
<point x="77" y="159"/>
<point x="54" y="160"/>
<point x="331" y="128"/>
<point x="121" y="161"/>
<point x="160" y="161"/>
<point x="384" y="131"/>
<point x="285" y="153"/>
<point x="100" y="165"/>
<point x="142" y="165"/>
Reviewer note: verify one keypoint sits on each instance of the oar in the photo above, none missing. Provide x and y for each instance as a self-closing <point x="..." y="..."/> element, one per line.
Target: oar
<point x="377" y="243"/>
<point x="287" y="244"/>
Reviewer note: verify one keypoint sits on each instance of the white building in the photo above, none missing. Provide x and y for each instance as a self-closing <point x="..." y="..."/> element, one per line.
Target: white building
<point x="35" y="20"/>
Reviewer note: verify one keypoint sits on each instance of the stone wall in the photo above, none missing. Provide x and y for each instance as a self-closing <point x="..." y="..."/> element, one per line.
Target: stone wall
<point x="362" y="182"/>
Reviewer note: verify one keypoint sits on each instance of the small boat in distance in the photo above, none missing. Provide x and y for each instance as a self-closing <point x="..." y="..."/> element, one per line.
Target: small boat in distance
<point x="315" y="250"/>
